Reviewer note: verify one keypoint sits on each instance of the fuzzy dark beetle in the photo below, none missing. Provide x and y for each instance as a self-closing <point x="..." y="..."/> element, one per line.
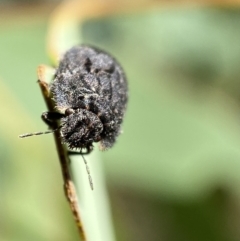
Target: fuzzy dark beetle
<point x="90" y="93"/>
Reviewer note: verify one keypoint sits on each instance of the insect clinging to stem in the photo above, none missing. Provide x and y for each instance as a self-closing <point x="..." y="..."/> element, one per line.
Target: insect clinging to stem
<point x="90" y="93"/>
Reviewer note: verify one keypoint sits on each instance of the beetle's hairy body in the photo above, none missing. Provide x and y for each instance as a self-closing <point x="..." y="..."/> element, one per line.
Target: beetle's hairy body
<point x="90" y="89"/>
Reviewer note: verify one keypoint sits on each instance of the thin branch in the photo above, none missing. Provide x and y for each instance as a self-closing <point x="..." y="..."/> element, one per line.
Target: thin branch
<point x="68" y="185"/>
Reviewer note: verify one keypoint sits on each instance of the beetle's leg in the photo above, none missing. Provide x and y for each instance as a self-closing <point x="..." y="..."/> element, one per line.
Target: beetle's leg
<point x="74" y="153"/>
<point x="49" y="117"/>
<point x="88" y="150"/>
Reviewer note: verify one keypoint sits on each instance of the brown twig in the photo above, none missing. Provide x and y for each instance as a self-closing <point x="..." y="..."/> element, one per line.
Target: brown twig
<point x="68" y="185"/>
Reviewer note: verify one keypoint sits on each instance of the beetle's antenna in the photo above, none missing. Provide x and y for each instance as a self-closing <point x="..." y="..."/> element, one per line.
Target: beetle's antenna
<point x="88" y="172"/>
<point x="37" y="133"/>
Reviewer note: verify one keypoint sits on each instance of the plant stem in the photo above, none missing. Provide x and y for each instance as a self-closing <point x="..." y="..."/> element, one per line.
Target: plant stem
<point x="69" y="188"/>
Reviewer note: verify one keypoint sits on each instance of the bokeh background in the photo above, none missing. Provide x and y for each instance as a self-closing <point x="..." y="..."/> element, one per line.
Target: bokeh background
<point x="174" y="174"/>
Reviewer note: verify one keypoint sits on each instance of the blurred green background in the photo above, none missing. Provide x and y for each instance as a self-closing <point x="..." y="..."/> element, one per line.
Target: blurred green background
<point x="174" y="173"/>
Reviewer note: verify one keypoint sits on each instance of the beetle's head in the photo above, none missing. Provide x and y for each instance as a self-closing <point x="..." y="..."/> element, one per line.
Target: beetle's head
<point x="80" y="128"/>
